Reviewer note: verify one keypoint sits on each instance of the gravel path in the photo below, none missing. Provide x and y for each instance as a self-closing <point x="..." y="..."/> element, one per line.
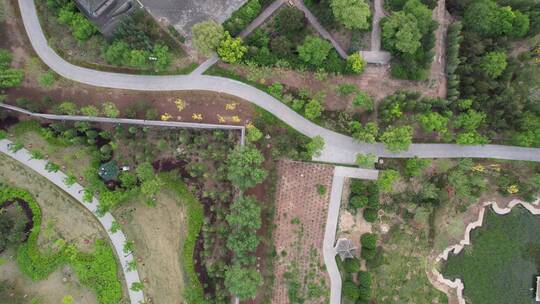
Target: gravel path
<point x="118" y="239"/>
<point x="338" y="149"/>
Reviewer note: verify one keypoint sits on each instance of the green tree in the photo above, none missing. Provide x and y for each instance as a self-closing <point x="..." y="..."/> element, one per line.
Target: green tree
<point x="244" y="167"/>
<point x="400" y="32"/>
<point x="414" y="166"/>
<point x="488" y="19"/>
<point x="206" y="36"/>
<point x="116" y="52"/>
<point x="422" y="14"/>
<point x="314" y="50"/>
<point x="68" y="108"/>
<point x="520" y="24"/>
<point x="145" y="172"/>
<point x="242" y="282"/>
<point x="363" y="101"/>
<point x="315" y="146"/>
<point x="433" y="121"/>
<point x="82" y="28"/>
<point x="47" y="79"/>
<point x="350" y="290"/>
<point x="356" y="63"/>
<point x="494" y="64"/>
<point x="386" y="180"/>
<point x="354" y="14"/>
<point x="245" y="213"/>
<point x="231" y="49"/>
<point x="470" y="120"/>
<point x="313" y="109"/>
<point x="110" y="110"/>
<point x="90" y="110"/>
<point x="368" y="240"/>
<point x="397" y="139"/>
<point x="290" y="21"/>
<point x="365" y="160"/>
<point x="138" y="58"/>
<point x="366" y="133"/>
<point x="162" y="57"/>
<point x="358" y="201"/>
<point x="351" y="265"/>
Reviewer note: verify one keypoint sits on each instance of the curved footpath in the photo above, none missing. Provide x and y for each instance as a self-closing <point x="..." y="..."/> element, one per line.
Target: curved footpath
<point x="118" y="239"/>
<point x="338" y="149"/>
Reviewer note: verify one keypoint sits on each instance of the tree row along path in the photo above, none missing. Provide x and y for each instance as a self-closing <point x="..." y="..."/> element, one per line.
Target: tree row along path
<point x="338" y="147"/>
<point x="117" y="239"/>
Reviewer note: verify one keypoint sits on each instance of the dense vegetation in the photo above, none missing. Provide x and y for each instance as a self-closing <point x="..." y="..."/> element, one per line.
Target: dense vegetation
<point x="96" y="270"/>
<point x="501" y="83"/>
<point x="9" y="77"/>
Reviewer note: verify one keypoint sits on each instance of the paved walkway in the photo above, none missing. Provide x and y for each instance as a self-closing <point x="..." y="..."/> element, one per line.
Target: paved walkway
<point x="118" y="239"/>
<point x="268" y="11"/>
<point x="329" y="252"/>
<point x="338" y="148"/>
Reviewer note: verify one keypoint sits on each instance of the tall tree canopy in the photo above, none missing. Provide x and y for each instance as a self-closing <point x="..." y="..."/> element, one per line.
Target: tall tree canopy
<point x="354" y="14"/>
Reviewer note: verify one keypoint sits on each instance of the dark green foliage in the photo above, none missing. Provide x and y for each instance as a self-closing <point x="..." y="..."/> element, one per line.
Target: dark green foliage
<point x="370" y="214"/>
<point x="350" y="290"/>
<point x="12" y="224"/>
<point x="358" y="201"/>
<point x="368" y="241"/>
<point x="242" y="17"/>
<point x="290" y="22"/>
<point x="351" y="265"/>
<point x="9" y="77"/>
<point x="454" y="39"/>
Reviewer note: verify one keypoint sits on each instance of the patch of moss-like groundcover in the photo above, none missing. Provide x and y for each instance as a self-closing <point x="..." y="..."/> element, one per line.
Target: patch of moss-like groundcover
<point x="503" y="261"/>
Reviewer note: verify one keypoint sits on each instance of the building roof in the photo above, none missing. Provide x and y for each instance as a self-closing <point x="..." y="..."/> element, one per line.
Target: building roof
<point x="105" y="14"/>
<point x="345" y="248"/>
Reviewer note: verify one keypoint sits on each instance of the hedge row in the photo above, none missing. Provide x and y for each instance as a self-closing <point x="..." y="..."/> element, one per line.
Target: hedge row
<point x="452" y="60"/>
<point x="96" y="270"/>
<point x="242" y="17"/>
<point x="193" y="290"/>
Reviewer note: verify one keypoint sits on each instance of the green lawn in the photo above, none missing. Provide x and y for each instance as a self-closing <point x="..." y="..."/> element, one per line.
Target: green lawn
<point x="503" y="261"/>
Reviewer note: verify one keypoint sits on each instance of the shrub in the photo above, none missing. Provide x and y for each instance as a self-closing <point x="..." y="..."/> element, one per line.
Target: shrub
<point x="368" y="254"/>
<point x="47" y="79"/>
<point x="314" y="147"/>
<point x="321" y="189"/>
<point x="206" y="36"/>
<point x="368" y="240"/>
<point x="230" y="49"/>
<point x="363" y="101"/>
<point x="364" y="278"/>
<point x="242" y="17"/>
<point x="314" y="50"/>
<point x="351" y="265"/>
<point x="313" y="110"/>
<point x="350" y="291"/>
<point x="354" y="14"/>
<point x="358" y="201"/>
<point x="370" y="214"/>
<point x="110" y="110"/>
<point x="356" y="63"/>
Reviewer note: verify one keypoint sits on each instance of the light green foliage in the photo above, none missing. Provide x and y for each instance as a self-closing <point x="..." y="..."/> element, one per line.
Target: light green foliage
<point x="90" y="110"/>
<point x="117" y="53"/>
<point x="494" y="63"/>
<point x="110" y="110"/>
<point x="470" y="120"/>
<point x="137" y="58"/>
<point x="365" y="160"/>
<point x="313" y="109"/>
<point x="231" y="49"/>
<point x="386" y="180"/>
<point x="67" y="299"/>
<point x="242" y="282"/>
<point x="115" y="227"/>
<point x="9" y="77"/>
<point x="488" y="19"/>
<point x="47" y="79"/>
<point x="314" y="50"/>
<point x="414" y="166"/>
<point x="363" y="101"/>
<point x="530" y="131"/>
<point x="244" y="167"/>
<point x="162" y="57"/>
<point x="354" y="14"/>
<point x="367" y="133"/>
<point x="345" y="89"/>
<point x="276" y="90"/>
<point x="136" y="286"/>
<point x="315" y="146"/>
<point x="68" y="108"/>
<point x="358" y="201"/>
<point x="400" y="32"/>
<point x="471" y="138"/>
<point x="206" y="36"/>
<point x="242" y="17"/>
<point x="433" y="121"/>
<point x="397" y="139"/>
<point x="82" y="28"/>
<point x="253" y="134"/>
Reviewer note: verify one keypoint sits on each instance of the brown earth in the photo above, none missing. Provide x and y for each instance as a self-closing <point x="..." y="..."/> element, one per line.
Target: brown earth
<point x="300" y="220"/>
<point x="158" y="233"/>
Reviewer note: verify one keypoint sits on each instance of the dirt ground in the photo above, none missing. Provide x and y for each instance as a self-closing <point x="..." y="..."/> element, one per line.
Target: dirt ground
<point x="300" y="221"/>
<point x="62" y="218"/>
<point x="158" y="234"/>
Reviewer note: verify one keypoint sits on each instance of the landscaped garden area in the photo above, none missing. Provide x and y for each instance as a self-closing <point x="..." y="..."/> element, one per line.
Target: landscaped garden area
<point x="501" y="264"/>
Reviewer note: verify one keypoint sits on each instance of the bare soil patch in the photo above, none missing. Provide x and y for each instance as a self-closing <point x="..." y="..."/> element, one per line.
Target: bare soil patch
<point x="158" y="234"/>
<point x="300" y="221"/>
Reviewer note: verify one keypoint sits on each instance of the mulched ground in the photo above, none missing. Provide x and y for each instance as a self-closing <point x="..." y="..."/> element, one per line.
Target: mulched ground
<point x="299" y="205"/>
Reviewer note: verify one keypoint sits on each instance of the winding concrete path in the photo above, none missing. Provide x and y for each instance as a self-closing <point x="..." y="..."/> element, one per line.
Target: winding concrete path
<point x="338" y="148"/>
<point x="329" y="251"/>
<point x="118" y="239"/>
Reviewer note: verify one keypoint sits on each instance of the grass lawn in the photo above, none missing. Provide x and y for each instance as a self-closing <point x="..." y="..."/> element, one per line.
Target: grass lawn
<point x="401" y="278"/>
<point x="503" y="261"/>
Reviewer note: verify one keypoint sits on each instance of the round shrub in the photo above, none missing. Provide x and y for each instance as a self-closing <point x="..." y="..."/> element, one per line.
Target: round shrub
<point x="350" y="291"/>
<point x="368" y="240"/>
<point x="368" y="254"/>
<point x="364" y="278"/>
<point x="351" y="265"/>
<point x="358" y="201"/>
<point x="364" y="293"/>
<point x="358" y="187"/>
<point x="370" y="215"/>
